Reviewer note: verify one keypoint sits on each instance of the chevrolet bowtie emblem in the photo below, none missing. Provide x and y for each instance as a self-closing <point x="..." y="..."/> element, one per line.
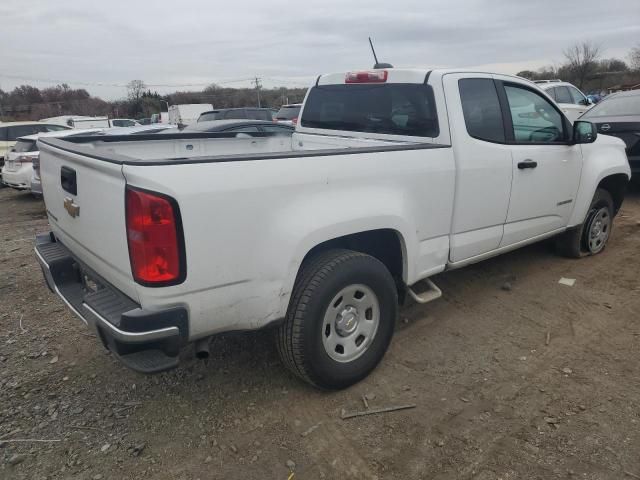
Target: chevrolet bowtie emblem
<point x="71" y="208"/>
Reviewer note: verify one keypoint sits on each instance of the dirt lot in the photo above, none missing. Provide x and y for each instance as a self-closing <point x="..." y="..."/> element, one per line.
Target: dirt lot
<point x="494" y="401"/>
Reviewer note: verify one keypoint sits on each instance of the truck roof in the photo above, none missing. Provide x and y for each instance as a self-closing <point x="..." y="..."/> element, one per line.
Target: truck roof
<point x="399" y="75"/>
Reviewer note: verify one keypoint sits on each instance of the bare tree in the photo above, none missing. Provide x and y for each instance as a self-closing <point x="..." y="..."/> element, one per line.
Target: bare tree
<point x="135" y="89"/>
<point x="634" y="58"/>
<point x="582" y="59"/>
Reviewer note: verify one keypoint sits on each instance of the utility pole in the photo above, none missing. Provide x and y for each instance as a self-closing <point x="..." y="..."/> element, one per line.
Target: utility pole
<point x="256" y="82"/>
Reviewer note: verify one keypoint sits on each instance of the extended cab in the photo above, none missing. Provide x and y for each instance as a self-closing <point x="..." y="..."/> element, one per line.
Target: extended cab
<point x="392" y="176"/>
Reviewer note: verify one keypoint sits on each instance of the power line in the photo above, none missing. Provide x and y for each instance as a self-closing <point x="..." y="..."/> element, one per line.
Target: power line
<point x="252" y="80"/>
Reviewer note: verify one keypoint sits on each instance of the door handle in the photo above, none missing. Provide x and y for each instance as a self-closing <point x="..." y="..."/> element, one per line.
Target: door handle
<point x="527" y="164"/>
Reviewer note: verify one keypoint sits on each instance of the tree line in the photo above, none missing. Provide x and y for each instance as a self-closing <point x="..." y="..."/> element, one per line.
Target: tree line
<point x="27" y="102"/>
<point x="585" y="66"/>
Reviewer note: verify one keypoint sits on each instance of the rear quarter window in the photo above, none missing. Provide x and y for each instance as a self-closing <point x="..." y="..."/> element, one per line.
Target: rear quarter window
<point x="481" y="108"/>
<point x="391" y="109"/>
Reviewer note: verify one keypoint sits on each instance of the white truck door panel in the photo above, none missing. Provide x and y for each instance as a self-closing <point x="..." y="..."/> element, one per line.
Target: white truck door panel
<point x="546" y="171"/>
<point x="542" y="198"/>
<point x="484" y="166"/>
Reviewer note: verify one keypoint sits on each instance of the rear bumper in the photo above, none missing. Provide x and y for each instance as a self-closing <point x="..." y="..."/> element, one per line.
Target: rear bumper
<point x="145" y="341"/>
<point x="19" y="179"/>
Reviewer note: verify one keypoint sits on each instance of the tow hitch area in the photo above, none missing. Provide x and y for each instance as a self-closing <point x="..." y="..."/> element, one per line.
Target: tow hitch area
<point x="144" y="341"/>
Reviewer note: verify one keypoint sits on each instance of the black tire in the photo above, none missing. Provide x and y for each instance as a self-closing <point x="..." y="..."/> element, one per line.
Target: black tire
<point x="573" y="243"/>
<point x="300" y="337"/>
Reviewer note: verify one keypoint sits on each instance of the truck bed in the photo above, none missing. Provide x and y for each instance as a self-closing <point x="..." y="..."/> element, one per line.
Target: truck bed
<point x="211" y="147"/>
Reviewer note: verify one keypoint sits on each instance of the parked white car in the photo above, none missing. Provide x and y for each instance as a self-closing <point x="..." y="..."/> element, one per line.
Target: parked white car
<point x="391" y="177"/>
<point x="22" y="168"/>
<point x="288" y="114"/>
<point x="570" y="99"/>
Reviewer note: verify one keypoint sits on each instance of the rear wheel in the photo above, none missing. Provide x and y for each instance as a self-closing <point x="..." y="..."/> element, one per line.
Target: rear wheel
<point x="340" y="319"/>
<point x="592" y="236"/>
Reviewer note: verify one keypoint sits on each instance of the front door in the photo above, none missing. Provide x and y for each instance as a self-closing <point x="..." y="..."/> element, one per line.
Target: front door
<point x="546" y="168"/>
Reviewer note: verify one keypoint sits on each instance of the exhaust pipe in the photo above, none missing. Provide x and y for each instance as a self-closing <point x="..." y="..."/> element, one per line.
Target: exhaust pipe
<point x="202" y="348"/>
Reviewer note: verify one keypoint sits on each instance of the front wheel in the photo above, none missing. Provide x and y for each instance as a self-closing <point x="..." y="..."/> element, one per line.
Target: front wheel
<point x="592" y="236"/>
<point x="340" y="319"/>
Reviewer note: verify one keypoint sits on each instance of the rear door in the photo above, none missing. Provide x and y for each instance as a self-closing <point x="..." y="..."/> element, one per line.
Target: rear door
<point x="84" y="198"/>
<point x="546" y="168"/>
<point x="483" y="162"/>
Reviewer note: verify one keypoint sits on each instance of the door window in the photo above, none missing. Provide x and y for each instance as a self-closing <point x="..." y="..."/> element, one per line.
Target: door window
<point x="563" y="95"/>
<point x="481" y="108"/>
<point x="577" y="97"/>
<point x="533" y="117"/>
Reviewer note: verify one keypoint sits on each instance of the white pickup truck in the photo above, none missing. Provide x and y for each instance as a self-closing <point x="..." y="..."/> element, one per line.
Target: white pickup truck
<point x="392" y="176"/>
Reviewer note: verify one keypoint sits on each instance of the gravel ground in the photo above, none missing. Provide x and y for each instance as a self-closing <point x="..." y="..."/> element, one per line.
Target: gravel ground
<point x="513" y="375"/>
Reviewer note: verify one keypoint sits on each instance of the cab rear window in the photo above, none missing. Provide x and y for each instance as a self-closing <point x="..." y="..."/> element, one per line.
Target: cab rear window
<point x="392" y="109"/>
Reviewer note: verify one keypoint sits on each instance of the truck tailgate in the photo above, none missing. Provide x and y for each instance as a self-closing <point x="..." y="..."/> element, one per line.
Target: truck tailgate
<point x="84" y="198"/>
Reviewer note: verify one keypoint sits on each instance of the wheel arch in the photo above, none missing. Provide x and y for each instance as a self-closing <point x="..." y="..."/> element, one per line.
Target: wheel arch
<point x="388" y="245"/>
<point x="616" y="185"/>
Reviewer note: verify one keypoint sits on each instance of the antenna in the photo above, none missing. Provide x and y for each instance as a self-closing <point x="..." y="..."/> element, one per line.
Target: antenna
<point x="373" y="50"/>
<point x="375" y="57"/>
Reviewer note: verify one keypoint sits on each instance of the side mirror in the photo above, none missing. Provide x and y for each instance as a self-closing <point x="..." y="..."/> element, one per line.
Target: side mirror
<point x="584" y="132"/>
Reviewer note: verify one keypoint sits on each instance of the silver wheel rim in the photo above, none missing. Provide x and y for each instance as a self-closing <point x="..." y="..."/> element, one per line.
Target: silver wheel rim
<point x="599" y="230"/>
<point x="350" y="323"/>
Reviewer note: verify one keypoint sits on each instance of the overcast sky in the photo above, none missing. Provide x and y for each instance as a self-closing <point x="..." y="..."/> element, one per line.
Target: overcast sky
<point x="190" y="43"/>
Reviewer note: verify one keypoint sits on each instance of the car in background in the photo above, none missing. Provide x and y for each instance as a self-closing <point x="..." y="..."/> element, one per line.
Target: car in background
<point x="569" y="98"/>
<point x="249" y="127"/>
<point x="618" y="115"/>
<point x="79" y="121"/>
<point x="236" y="114"/>
<point x="288" y="114"/>
<point x="22" y="171"/>
<point x="20" y="165"/>
<point x="594" y="98"/>
<point x="123" y="122"/>
<point x="11" y="131"/>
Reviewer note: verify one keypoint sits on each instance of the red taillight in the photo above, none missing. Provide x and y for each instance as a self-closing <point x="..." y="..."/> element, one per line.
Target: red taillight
<point x="294" y="121"/>
<point x="24" y="159"/>
<point x="153" y="237"/>
<point x="372" y="76"/>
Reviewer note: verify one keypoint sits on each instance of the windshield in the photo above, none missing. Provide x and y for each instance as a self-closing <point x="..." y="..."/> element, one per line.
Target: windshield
<point x="392" y="109"/>
<point x="288" y="113"/>
<point x="616" y="106"/>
